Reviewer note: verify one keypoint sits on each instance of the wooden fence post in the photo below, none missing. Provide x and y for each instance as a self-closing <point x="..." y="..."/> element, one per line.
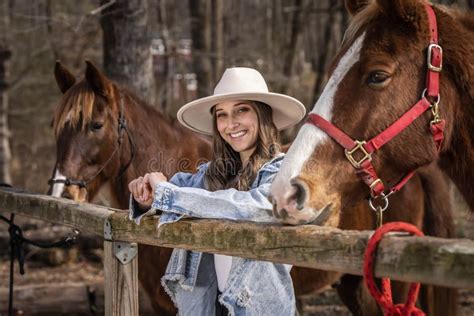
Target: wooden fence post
<point x="121" y="278"/>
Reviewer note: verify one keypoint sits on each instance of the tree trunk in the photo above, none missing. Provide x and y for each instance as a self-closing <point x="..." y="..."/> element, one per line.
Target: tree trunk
<point x="163" y="81"/>
<point x="277" y="37"/>
<point x="127" y="55"/>
<point x="269" y="35"/>
<point x="292" y="46"/>
<point x="5" y="54"/>
<point x="319" y="65"/>
<point x="218" y="38"/>
<point x="200" y="11"/>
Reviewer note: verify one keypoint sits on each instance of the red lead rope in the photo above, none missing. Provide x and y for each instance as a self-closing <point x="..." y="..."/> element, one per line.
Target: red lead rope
<point x="384" y="298"/>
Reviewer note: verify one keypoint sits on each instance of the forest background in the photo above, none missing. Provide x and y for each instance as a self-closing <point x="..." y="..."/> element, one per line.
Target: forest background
<point x="168" y="52"/>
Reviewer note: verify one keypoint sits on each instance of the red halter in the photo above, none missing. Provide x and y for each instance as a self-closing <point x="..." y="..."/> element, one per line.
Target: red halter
<point x="363" y="166"/>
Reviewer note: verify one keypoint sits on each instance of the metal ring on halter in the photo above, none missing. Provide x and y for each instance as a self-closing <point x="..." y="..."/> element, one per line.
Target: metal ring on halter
<point x="385" y="199"/>
<point x="423" y="95"/>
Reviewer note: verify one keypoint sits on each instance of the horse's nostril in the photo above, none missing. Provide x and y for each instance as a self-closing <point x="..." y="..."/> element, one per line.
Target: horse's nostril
<point x="300" y="197"/>
<point x="299" y="194"/>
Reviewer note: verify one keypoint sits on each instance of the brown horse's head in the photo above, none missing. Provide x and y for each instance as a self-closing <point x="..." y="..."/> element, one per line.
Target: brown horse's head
<point x="86" y="127"/>
<point x="378" y="75"/>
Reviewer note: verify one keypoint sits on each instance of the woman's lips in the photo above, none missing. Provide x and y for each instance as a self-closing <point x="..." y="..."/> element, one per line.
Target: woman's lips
<point x="238" y="134"/>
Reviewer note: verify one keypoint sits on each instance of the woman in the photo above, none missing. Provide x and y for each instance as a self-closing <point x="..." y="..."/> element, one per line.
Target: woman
<point x="243" y="118"/>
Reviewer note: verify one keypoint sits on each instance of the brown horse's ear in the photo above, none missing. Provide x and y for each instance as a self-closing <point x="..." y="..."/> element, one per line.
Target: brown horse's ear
<point x="354" y="6"/>
<point x="96" y="79"/>
<point x="64" y="78"/>
<point x="406" y="10"/>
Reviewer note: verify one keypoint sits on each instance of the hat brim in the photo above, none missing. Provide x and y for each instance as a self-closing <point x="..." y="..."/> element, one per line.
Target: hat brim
<point x="196" y="115"/>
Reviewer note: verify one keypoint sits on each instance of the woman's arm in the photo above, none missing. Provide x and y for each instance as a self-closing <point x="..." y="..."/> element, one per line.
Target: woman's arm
<point x="227" y="204"/>
<point x="231" y="204"/>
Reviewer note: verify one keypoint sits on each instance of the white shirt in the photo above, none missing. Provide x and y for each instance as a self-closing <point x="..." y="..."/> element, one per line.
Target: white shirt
<point x="222" y="264"/>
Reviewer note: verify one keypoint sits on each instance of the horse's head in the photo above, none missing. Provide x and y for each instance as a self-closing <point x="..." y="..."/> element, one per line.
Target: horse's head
<point x="87" y="130"/>
<point x="378" y="75"/>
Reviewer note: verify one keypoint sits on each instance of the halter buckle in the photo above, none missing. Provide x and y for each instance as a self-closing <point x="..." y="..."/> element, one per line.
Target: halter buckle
<point x="432" y="67"/>
<point x="435" y="112"/>
<point x="359" y="146"/>
<point x="373" y="184"/>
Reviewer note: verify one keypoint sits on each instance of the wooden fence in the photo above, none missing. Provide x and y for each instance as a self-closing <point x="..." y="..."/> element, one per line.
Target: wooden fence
<point x="447" y="262"/>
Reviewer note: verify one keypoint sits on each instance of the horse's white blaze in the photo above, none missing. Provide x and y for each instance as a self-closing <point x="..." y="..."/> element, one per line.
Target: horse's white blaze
<point x="309" y="137"/>
<point x="58" y="188"/>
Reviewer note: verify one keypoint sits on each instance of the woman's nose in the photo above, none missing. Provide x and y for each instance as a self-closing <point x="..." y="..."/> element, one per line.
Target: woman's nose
<point x="232" y="123"/>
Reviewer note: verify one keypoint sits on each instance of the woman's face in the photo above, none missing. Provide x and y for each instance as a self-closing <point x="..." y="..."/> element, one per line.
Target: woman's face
<point x="237" y="123"/>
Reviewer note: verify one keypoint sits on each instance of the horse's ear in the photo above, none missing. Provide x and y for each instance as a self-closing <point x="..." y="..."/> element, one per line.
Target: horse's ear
<point x="406" y="10"/>
<point x="96" y="79"/>
<point x="64" y="78"/>
<point x="354" y="6"/>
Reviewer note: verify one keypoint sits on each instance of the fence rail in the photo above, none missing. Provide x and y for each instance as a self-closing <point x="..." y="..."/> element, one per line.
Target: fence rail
<point x="447" y="262"/>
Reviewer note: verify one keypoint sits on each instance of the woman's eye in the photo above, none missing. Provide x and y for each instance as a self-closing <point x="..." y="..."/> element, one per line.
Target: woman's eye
<point x="377" y="77"/>
<point x="220" y="115"/>
<point x="95" y="126"/>
<point x="242" y="110"/>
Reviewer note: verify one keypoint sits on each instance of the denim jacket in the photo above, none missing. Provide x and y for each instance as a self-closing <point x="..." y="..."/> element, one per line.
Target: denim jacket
<point x="253" y="287"/>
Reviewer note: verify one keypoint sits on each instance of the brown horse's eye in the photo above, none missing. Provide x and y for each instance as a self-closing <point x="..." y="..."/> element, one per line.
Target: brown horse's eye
<point x="377" y="78"/>
<point x="95" y="126"/>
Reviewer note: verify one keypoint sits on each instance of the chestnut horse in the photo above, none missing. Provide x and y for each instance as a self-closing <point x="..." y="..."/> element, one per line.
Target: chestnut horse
<point x="378" y="75"/>
<point x="88" y="129"/>
<point x="107" y="135"/>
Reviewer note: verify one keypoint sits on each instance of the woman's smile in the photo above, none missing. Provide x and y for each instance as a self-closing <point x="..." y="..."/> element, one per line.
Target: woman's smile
<point x="238" y="135"/>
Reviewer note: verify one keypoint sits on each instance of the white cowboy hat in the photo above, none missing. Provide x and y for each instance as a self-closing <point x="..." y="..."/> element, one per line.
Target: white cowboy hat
<point x="241" y="84"/>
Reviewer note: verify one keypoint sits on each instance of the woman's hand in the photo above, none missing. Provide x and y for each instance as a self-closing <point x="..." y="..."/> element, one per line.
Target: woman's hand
<point x="153" y="178"/>
<point x="137" y="189"/>
<point x="142" y="188"/>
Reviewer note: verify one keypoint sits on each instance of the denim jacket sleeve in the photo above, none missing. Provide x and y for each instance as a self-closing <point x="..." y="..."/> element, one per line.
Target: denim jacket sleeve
<point x="231" y="204"/>
<point x="178" y="198"/>
<point x="180" y="179"/>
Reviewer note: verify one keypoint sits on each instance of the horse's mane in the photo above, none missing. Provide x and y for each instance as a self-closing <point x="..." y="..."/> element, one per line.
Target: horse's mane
<point x="75" y="106"/>
<point x="466" y="18"/>
<point x="459" y="24"/>
<point x="369" y="13"/>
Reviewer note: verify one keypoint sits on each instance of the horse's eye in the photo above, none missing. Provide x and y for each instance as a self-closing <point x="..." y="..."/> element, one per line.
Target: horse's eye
<point x="95" y="126"/>
<point x="377" y="78"/>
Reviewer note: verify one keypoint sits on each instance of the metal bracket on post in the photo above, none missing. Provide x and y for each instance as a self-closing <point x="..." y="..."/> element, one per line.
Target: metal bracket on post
<point x="107" y="230"/>
<point x="125" y="251"/>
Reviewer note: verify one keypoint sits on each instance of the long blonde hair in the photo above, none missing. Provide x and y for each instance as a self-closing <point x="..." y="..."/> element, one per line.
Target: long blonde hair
<point x="226" y="169"/>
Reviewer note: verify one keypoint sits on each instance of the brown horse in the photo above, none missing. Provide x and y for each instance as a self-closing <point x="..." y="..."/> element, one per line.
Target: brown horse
<point x="89" y="157"/>
<point x="378" y="75"/>
<point x="107" y="135"/>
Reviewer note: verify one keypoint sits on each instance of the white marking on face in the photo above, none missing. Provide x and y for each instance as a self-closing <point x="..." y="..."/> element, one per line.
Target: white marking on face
<point x="309" y="136"/>
<point x="58" y="188"/>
